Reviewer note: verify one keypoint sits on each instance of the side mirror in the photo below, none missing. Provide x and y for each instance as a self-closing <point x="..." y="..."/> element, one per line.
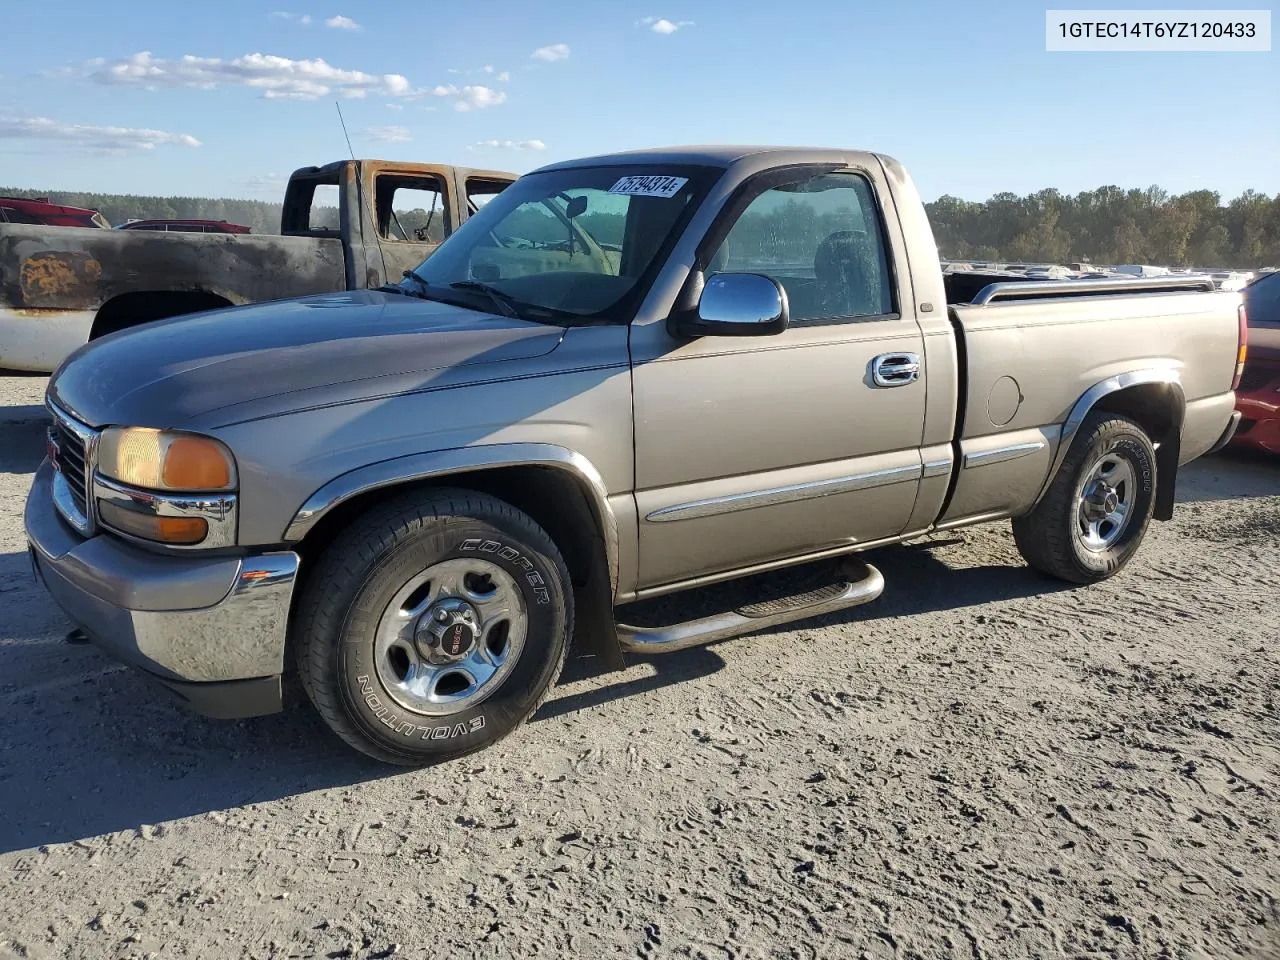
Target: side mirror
<point x="737" y="305"/>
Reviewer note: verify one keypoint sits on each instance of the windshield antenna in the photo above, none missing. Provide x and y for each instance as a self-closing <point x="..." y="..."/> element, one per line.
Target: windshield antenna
<point x="355" y="166"/>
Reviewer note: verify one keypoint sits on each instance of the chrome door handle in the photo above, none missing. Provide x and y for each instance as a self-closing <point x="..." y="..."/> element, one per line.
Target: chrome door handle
<point x="895" y="369"/>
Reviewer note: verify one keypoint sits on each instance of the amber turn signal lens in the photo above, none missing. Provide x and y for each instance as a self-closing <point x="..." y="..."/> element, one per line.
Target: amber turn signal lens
<point x="195" y="463"/>
<point x="183" y="531"/>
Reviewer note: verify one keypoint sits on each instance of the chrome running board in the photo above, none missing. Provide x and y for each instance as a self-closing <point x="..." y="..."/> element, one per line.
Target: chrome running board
<point x="863" y="584"/>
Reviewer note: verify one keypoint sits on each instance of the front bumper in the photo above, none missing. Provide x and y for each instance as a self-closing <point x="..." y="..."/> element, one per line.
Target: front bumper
<point x="210" y="629"/>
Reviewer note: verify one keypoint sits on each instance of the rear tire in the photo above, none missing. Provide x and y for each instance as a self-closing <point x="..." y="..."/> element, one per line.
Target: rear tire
<point x="1093" y="517"/>
<point x="433" y="626"/>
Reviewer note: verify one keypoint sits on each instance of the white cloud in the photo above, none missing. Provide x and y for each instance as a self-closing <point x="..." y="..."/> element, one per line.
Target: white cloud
<point x="277" y="78"/>
<point x="393" y="134"/>
<point x="99" y="138"/>
<point x="488" y="68"/>
<point x="509" y="145"/>
<point x="552" y="53"/>
<point x="302" y="18"/>
<point x="395" y="106"/>
<point x="663" y="26"/>
<point x="478" y="98"/>
<point x="504" y="77"/>
<point x="342" y="23"/>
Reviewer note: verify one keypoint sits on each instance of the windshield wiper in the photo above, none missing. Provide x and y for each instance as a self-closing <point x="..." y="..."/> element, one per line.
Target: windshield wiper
<point x="421" y="293"/>
<point x="507" y="305"/>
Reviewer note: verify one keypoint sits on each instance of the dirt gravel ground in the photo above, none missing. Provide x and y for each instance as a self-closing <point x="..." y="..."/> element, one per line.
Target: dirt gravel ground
<point x="981" y="764"/>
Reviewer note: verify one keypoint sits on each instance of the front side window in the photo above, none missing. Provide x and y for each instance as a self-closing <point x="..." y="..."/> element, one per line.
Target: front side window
<point x="572" y="243"/>
<point x="820" y="239"/>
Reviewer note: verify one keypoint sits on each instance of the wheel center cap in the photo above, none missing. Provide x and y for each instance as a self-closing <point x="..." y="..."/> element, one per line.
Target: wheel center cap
<point x="1101" y="500"/>
<point x="448" y="630"/>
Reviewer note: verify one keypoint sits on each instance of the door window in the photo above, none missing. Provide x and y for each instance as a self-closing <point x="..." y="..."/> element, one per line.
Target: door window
<point x="412" y="209"/>
<point x="820" y="239"/>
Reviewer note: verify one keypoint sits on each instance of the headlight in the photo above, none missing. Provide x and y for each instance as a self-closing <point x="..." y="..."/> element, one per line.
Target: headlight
<point x="165" y="460"/>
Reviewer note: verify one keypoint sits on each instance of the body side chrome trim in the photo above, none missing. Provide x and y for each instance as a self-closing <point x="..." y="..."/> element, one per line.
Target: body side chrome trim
<point x="980" y="458"/>
<point x="732" y="503"/>
<point x="442" y="463"/>
<point x="937" y="468"/>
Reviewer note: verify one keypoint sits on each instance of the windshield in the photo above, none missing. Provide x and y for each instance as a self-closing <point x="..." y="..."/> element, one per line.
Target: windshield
<point x="570" y="244"/>
<point x="1262" y="300"/>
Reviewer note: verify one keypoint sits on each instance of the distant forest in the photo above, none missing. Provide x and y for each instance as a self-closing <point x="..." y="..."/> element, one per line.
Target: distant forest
<point x="1105" y="226"/>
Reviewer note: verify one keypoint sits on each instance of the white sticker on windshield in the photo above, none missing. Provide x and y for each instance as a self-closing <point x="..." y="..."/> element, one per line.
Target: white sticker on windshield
<point x="649" y="186"/>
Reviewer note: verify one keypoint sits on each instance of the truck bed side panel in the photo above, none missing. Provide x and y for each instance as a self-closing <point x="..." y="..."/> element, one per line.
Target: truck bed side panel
<point x="1028" y="363"/>
<point x="58" y="277"/>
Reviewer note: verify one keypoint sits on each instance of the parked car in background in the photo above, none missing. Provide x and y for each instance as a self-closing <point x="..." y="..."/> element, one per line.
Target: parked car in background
<point x="185" y="226"/>
<point x="349" y="225"/>
<point x="1231" y="280"/>
<point x="42" y="213"/>
<point x="1258" y="396"/>
<point x="626" y="376"/>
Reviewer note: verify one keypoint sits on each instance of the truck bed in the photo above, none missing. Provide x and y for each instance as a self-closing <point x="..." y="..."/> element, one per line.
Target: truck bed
<point x="58" y="278"/>
<point x="1032" y="350"/>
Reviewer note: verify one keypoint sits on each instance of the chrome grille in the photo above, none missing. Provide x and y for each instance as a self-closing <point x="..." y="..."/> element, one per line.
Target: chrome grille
<point x="75" y="446"/>
<point x="70" y="461"/>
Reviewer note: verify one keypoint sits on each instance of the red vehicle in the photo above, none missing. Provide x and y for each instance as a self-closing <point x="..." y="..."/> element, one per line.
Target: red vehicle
<point x="185" y="226"/>
<point x="44" y="213"/>
<point x="1258" y="396"/>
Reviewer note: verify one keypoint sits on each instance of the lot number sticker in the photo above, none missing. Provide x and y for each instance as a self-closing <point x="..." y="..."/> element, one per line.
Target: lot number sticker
<point x="649" y="186"/>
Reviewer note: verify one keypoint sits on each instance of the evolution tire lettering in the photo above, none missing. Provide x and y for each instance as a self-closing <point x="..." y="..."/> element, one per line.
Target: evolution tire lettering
<point x="516" y="559"/>
<point x="408" y="729"/>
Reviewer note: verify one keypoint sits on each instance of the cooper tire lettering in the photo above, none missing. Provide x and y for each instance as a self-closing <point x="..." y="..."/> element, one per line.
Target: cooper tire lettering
<point x="338" y="616"/>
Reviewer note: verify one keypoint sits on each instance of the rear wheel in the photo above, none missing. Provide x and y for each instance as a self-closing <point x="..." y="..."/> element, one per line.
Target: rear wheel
<point x="1095" y="513"/>
<point x="434" y="626"/>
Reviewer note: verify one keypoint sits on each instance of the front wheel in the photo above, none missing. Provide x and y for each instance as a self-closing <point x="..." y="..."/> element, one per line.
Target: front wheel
<point x="1093" y="517"/>
<point x="434" y="626"/>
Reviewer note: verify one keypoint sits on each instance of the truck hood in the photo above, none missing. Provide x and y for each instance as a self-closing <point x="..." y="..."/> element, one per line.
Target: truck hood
<point x="314" y="350"/>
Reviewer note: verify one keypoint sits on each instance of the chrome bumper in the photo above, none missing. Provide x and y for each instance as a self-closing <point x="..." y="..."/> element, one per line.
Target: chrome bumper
<point x="211" y="629"/>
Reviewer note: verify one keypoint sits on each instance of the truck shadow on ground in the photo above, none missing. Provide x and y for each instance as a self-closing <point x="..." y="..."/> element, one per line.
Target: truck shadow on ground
<point x="93" y="748"/>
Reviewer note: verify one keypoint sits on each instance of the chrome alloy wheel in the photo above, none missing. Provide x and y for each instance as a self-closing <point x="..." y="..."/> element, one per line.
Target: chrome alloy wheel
<point x="450" y="636"/>
<point x="1104" y="501"/>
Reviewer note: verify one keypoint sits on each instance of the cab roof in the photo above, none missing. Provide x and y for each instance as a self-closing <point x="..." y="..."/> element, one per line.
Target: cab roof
<point x="711" y="156"/>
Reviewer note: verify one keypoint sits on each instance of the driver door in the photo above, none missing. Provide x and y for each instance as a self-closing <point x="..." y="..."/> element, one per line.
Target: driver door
<point x="751" y="450"/>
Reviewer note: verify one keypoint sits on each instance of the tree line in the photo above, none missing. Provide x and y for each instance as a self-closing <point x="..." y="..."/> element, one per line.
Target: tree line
<point x="1111" y="225"/>
<point x="1106" y="226"/>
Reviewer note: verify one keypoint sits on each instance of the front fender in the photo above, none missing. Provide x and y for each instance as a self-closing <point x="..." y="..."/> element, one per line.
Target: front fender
<point x="443" y="463"/>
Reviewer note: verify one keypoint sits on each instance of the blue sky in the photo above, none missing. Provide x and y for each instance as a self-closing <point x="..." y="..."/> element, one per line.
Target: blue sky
<point x="963" y="94"/>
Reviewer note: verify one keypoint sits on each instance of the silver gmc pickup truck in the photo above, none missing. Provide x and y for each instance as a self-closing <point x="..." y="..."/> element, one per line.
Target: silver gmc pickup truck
<point x="624" y="376"/>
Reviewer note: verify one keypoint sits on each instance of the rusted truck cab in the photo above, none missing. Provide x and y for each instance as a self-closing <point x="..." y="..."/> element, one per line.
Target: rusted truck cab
<point x="348" y="225"/>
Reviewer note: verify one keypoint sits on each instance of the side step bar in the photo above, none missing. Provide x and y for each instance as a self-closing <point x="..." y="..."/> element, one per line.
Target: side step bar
<point x="863" y="584"/>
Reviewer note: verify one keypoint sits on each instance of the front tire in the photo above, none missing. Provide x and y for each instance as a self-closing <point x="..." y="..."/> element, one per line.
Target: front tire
<point x="1093" y="517"/>
<point x="433" y="626"/>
